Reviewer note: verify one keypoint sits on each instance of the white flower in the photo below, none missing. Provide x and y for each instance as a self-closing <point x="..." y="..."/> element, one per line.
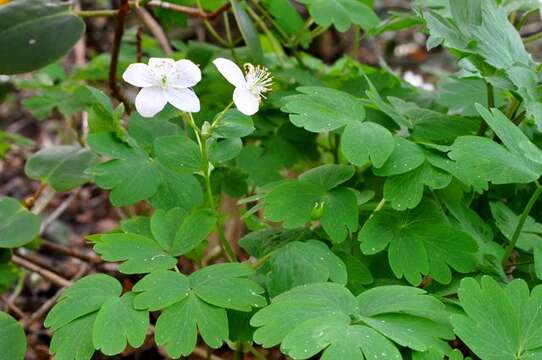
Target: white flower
<point x="163" y="81"/>
<point x="249" y="87"/>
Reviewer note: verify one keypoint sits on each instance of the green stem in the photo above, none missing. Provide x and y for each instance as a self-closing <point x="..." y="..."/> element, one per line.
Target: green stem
<point x="256" y="353"/>
<point x="221" y="115"/>
<point x="513" y="241"/>
<point x="206" y="169"/>
<point x="95" y="13"/>
<point x="490" y="104"/>
<point x="532" y="38"/>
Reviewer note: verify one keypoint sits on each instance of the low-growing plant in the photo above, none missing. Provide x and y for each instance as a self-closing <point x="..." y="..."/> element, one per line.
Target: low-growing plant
<point x="380" y="220"/>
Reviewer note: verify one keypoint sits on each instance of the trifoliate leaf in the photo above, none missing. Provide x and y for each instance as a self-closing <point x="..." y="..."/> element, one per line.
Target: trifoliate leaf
<point x="420" y="242"/>
<point x="327" y="317"/>
<point x="342" y="13"/>
<point x="196" y="303"/>
<point x="118" y="324"/>
<point x="222" y="150"/>
<point x="299" y="263"/>
<point x="406" y="156"/>
<point x="500" y="322"/>
<point x="91" y="315"/>
<point x="12" y="338"/>
<point x="18" y="226"/>
<point x="366" y="141"/>
<point x="172" y="233"/>
<point x="315" y="191"/>
<point x="131" y="174"/>
<point x="61" y="166"/>
<point x="319" y="109"/>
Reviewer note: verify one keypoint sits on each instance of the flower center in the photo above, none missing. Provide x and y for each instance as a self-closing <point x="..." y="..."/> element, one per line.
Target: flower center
<point x="163" y="81"/>
<point x="259" y="79"/>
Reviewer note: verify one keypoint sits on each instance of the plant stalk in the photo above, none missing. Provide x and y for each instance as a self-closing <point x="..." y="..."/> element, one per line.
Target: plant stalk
<point x="517" y="231"/>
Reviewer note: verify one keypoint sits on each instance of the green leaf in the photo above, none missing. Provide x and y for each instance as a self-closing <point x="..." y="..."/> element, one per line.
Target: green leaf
<point x="61" y="166"/>
<point x="405" y="191"/>
<point x="197" y="303"/>
<point x="299" y="263"/>
<point x="171" y="286"/>
<point x="18" y="226"/>
<point x="340" y="215"/>
<point x="139" y="253"/>
<point x="292" y="202"/>
<point x="178" y="153"/>
<point x="222" y="150"/>
<point x="366" y="141"/>
<point x="500" y="323"/>
<point x="178" y="326"/>
<point x="327" y="317"/>
<point x="91" y="315"/>
<point x="319" y="109"/>
<point x="328" y="176"/>
<point x="118" y="324"/>
<point x="420" y="242"/>
<point x="512" y="137"/>
<point x="170" y="234"/>
<point x="25" y="34"/>
<point x="233" y="124"/>
<point x="460" y="95"/>
<point x="225" y="285"/>
<point x="480" y="159"/>
<point x="12" y="338"/>
<point x="131" y="174"/>
<point x="248" y="31"/>
<point x="342" y="13"/>
<point x="195" y="228"/>
<point x="406" y="156"/>
<point x="177" y="190"/>
<point x="74" y="340"/>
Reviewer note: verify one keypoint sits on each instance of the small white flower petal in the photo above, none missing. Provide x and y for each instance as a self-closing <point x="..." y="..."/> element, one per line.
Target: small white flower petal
<point x="139" y="75"/>
<point x="230" y="71"/>
<point x="185" y="74"/>
<point x="183" y="99"/>
<point x="161" y="67"/>
<point x="246" y="101"/>
<point x="150" y="101"/>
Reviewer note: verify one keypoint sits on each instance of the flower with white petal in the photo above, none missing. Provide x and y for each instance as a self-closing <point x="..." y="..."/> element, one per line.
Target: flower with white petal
<point x="164" y="80"/>
<point x="250" y="87"/>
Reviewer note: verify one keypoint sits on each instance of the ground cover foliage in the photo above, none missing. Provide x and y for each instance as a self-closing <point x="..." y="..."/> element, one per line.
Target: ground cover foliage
<point x="381" y="217"/>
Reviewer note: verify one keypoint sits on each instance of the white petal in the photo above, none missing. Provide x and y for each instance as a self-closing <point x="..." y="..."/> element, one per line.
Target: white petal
<point x="183" y="99"/>
<point x="185" y="74"/>
<point x="150" y="101"/>
<point x="230" y="71"/>
<point x="160" y="62"/>
<point x="139" y="75"/>
<point x="161" y="67"/>
<point x="246" y="101"/>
